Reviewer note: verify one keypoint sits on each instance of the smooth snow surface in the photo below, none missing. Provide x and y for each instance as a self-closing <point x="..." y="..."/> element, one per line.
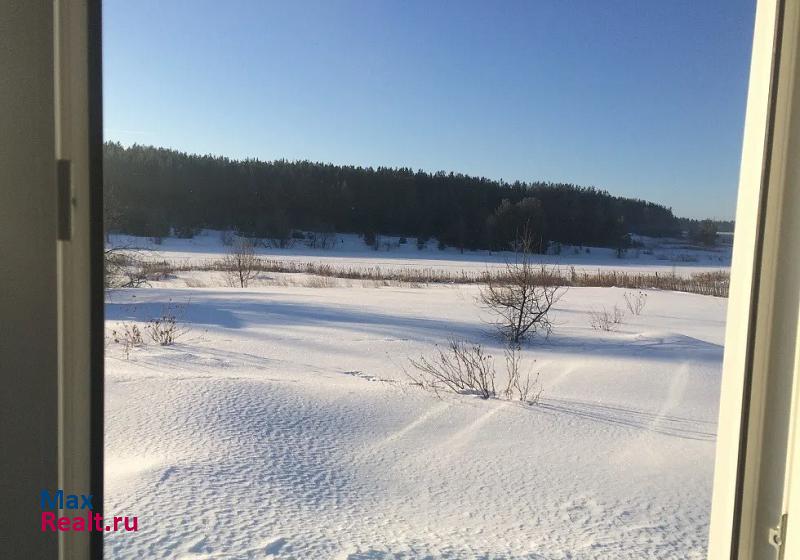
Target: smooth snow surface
<point x="282" y="425"/>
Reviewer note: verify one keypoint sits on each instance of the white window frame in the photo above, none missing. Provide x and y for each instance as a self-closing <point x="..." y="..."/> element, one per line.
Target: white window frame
<point x="759" y="382"/>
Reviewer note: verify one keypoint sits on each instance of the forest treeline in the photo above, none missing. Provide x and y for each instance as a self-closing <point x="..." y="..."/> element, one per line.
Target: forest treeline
<point x="156" y="192"/>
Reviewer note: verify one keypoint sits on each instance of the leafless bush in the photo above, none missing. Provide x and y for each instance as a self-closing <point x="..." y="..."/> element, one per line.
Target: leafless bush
<point x="240" y="264"/>
<point x="165" y="329"/>
<point x="320" y="282"/>
<point x="525" y="388"/>
<point x="605" y="320"/>
<point x="636" y="302"/>
<point x="462" y="368"/>
<point x="129" y="335"/>
<point x="467" y="369"/>
<point x="522" y="297"/>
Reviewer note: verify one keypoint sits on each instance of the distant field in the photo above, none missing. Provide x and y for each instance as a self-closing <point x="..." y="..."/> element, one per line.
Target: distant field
<point x="348" y="250"/>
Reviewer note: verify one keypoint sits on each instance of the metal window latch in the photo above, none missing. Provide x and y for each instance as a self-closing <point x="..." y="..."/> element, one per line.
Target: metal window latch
<point x="64" y="184"/>
<point x="777" y="536"/>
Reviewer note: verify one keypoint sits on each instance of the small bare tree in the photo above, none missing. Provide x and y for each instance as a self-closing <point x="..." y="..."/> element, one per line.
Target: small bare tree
<point x="523" y="294"/>
<point x="241" y="263"/>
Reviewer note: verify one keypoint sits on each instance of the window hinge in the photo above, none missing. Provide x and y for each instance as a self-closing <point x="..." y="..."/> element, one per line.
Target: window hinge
<point x="64" y="184"/>
<point x="777" y="536"/>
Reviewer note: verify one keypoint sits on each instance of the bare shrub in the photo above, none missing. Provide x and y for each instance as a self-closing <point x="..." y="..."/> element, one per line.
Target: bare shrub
<point x="523" y="295"/>
<point x="523" y="387"/>
<point x="320" y="282"/>
<point x="241" y="264"/>
<point x="129" y="335"/>
<point x="605" y="320"/>
<point x="636" y="302"/>
<point x="165" y="329"/>
<point x="467" y="369"/>
<point x="462" y="368"/>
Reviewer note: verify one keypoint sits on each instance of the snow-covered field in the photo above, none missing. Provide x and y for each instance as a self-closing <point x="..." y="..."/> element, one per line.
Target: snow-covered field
<point x="348" y="250"/>
<point x="282" y="425"/>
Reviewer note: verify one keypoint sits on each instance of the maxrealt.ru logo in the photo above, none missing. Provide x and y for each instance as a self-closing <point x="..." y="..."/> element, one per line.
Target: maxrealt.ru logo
<point x="87" y="520"/>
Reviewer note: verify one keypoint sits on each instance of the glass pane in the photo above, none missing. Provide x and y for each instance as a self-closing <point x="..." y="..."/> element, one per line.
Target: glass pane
<point x="415" y="279"/>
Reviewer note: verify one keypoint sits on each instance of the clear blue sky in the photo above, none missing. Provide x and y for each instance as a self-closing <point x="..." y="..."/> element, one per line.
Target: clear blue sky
<point x="643" y="98"/>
